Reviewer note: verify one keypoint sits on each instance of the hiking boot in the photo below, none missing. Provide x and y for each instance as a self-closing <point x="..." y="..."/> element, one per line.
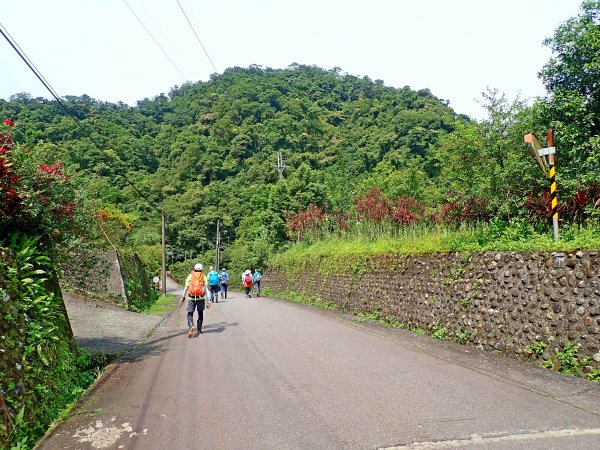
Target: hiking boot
<point x="191" y="332"/>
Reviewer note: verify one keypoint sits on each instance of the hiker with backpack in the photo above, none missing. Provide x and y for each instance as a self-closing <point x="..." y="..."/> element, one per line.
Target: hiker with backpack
<point x="196" y="289"/>
<point x="224" y="278"/>
<point x="256" y="277"/>
<point x="213" y="281"/>
<point x="247" y="283"/>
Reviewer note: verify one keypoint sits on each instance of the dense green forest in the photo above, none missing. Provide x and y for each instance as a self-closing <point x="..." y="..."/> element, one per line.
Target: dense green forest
<point x="355" y="151"/>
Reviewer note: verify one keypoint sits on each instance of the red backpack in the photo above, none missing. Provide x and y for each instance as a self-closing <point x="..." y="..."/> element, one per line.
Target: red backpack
<point x="248" y="281"/>
<point x="196" y="287"/>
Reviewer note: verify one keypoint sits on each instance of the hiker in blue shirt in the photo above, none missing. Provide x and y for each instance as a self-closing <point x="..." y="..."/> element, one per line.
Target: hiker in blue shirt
<point x="213" y="282"/>
<point x="256" y="277"/>
<point x="224" y="279"/>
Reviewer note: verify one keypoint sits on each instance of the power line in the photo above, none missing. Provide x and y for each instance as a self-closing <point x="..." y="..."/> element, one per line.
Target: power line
<point x="30" y="63"/>
<point x="196" y="34"/>
<point x="157" y="26"/>
<point x="155" y="40"/>
<point x="50" y="89"/>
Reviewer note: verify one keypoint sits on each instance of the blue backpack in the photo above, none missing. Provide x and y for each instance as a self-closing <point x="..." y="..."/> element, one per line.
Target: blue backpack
<point x="213" y="278"/>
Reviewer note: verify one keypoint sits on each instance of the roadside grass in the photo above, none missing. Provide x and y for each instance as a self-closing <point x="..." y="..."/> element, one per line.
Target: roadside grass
<point x="89" y="367"/>
<point x="306" y="299"/>
<point x="164" y="304"/>
<point x="334" y="254"/>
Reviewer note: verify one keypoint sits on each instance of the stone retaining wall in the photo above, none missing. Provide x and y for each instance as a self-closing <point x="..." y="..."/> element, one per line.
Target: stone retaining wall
<point x="503" y="301"/>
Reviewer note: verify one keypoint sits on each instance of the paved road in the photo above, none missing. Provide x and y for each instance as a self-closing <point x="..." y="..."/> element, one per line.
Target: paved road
<point x="268" y="374"/>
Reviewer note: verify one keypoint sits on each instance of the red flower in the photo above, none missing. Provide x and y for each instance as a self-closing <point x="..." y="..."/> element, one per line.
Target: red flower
<point x="55" y="169"/>
<point x="9" y="122"/>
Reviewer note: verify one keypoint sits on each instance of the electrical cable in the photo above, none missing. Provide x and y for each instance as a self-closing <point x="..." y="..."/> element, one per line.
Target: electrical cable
<point x="155" y="40"/>
<point x="156" y="26"/>
<point x="50" y="89"/>
<point x="196" y="34"/>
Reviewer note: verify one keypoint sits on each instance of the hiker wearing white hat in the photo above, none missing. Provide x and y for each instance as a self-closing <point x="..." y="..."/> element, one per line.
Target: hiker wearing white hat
<point x="247" y="282"/>
<point x="196" y="289"/>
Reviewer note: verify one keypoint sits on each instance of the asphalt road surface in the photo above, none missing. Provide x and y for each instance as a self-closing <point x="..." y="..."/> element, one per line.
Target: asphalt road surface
<point x="268" y="374"/>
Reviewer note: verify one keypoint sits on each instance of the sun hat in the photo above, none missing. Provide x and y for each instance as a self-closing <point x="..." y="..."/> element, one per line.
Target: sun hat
<point x="198" y="267"/>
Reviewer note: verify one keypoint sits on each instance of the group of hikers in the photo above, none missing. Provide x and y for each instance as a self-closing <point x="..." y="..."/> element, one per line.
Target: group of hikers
<point x="201" y="288"/>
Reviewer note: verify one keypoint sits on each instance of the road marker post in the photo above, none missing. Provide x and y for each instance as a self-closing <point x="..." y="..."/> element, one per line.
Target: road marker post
<point x="548" y="167"/>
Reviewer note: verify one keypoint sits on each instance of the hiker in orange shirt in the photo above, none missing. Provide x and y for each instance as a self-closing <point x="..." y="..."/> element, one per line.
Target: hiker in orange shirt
<point x="196" y="285"/>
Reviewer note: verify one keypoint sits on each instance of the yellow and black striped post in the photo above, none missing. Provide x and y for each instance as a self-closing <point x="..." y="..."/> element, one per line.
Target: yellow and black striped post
<point x="547" y="167"/>
<point x="553" y="194"/>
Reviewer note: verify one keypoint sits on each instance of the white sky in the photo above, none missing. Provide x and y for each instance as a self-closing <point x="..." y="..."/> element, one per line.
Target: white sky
<point x="453" y="47"/>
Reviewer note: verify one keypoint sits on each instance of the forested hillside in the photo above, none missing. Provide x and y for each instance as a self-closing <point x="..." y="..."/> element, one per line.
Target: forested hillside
<point x="355" y="151"/>
<point x="207" y="151"/>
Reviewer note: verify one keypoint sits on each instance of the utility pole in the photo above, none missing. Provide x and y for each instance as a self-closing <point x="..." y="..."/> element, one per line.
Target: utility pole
<point x="218" y="253"/>
<point x="164" y="254"/>
<point x="280" y="166"/>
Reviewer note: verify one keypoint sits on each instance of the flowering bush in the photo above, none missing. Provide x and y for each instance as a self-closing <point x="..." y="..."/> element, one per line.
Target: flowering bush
<point x="373" y="207"/>
<point x="408" y="211"/>
<point x="340" y="222"/>
<point x="36" y="199"/>
<point x="305" y="221"/>
<point x="450" y="213"/>
<point x="577" y="208"/>
<point x="574" y="209"/>
<point x="470" y="210"/>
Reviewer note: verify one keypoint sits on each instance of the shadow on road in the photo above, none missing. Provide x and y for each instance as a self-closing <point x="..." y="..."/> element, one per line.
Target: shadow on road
<point x="152" y="346"/>
<point x="219" y="327"/>
<point x="106" y="344"/>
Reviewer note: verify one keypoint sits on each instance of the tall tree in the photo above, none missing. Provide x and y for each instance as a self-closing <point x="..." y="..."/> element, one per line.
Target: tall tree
<point x="572" y="78"/>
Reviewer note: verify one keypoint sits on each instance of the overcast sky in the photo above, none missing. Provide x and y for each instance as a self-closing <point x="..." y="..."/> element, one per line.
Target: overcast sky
<point x="455" y="48"/>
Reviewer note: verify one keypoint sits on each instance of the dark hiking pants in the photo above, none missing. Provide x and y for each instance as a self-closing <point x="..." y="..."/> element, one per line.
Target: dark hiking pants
<point x="194" y="304"/>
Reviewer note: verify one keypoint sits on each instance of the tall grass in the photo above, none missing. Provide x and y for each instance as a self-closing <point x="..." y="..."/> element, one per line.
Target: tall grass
<point x="360" y="240"/>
